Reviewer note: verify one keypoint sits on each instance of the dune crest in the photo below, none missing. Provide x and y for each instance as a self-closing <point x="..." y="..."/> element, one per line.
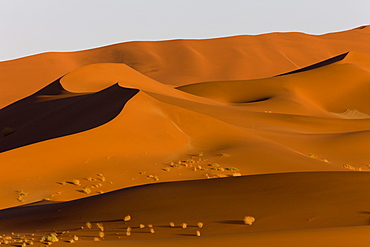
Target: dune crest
<point x="180" y="62"/>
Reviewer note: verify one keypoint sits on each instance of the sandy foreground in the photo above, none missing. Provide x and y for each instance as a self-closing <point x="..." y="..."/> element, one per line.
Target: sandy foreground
<point x="247" y="140"/>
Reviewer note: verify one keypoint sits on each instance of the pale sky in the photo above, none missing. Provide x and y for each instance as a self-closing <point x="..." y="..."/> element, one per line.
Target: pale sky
<point x="29" y="27"/>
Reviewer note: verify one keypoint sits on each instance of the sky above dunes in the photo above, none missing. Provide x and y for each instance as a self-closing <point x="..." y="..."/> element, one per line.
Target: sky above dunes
<point x="31" y="27"/>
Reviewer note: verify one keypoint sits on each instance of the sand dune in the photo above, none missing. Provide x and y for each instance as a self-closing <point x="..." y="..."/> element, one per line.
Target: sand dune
<point x="180" y="62"/>
<point x="273" y="126"/>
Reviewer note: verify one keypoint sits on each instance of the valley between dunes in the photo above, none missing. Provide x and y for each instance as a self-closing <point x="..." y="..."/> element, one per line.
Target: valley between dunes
<point x="173" y="143"/>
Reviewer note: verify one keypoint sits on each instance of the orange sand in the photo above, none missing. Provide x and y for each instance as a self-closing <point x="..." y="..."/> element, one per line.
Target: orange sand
<point x="273" y="126"/>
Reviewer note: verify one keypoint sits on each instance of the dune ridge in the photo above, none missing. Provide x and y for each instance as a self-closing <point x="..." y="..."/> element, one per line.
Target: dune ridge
<point x="180" y="62"/>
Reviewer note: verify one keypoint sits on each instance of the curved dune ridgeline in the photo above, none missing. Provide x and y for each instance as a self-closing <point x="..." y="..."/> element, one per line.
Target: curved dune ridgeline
<point x="259" y="140"/>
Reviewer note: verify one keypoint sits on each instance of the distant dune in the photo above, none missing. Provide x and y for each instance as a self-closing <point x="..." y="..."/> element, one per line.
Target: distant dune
<point x="181" y="140"/>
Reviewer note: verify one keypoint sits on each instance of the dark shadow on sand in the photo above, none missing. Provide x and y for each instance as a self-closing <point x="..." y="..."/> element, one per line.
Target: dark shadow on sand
<point x="54" y="112"/>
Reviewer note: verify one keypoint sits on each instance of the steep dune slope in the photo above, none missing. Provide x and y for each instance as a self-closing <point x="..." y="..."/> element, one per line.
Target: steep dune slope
<point x="348" y="76"/>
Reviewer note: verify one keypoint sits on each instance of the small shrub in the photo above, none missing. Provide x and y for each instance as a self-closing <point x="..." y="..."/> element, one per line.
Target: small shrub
<point x="312" y="156"/>
<point x="184" y="225"/>
<point x="100" y="226"/>
<point x="76" y="182"/>
<point x="127" y="218"/>
<point x="86" y="190"/>
<point x="7" y="131"/>
<point x="200" y="224"/>
<point x="88" y="225"/>
<point x="248" y="220"/>
<point x="232" y="169"/>
<point x="214" y="165"/>
<point x="198" y="233"/>
<point x="172" y="224"/>
<point x="52" y="238"/>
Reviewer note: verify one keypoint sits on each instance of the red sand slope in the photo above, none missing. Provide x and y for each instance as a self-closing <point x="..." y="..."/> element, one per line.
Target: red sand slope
<point x="149" y="112"/>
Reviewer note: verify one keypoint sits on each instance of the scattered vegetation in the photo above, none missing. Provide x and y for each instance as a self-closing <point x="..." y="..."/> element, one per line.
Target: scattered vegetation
<point x="347" y="166"/>
<point x="199" y="165"/>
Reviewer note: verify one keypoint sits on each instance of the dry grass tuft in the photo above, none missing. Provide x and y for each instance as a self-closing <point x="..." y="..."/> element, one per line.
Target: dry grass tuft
<point x="127" y="218"/>
<point x="249" y="220"/>
<point x="76" y="182"/>
<point x="100" y="226"/>
<point x="88" y="225"/>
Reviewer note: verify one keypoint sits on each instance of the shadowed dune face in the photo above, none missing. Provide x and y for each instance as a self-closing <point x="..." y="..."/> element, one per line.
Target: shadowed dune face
<point x="54" y="112"/>
<point x="277" y="201"/>
<point x="273" y="126"/>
